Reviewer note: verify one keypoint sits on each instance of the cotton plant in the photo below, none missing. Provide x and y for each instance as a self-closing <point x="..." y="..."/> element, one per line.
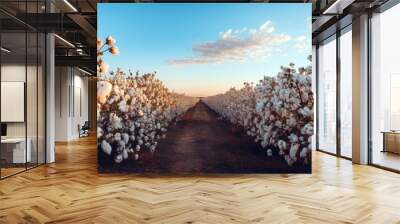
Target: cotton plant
<point x="109" y="45"/>
<point x="134" y="114"/>
<point x="133" y="110"/>
<point x="277" y="112"/>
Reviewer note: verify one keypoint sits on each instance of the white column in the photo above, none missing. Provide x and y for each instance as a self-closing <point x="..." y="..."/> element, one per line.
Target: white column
<point x="360" y="90"/>
<point x="50" y="100"/>
<point x="314" y="89"/>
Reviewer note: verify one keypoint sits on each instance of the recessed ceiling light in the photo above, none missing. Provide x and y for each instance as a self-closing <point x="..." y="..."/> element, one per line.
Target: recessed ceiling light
<point x="70" y="5"/>
<point x="5" y="50"/>
<point x="64" y="40"/>
<point x="86" y="72"/>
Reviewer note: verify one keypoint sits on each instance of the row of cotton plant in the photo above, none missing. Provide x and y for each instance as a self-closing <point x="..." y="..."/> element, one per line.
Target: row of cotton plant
<point x="134" y="113"/>
<point x="278" y="112"/>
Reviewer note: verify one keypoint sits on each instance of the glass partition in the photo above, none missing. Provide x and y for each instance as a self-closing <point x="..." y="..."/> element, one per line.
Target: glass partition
<point x="346" y="93"/>
<point x="22" y="88"/>
<point x="385" y="89"/>
<point x="327" y="96"/>
<point x="13" y="94"/>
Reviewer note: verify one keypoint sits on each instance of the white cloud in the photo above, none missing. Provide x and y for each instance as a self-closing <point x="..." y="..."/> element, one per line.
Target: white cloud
<point x="300" y="38"/>
<point x="301" y="44"/>
<point x="236" y="45"/>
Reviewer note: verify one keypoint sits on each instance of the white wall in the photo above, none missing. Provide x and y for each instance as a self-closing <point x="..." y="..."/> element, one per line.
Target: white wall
<point x="70" y="83"/>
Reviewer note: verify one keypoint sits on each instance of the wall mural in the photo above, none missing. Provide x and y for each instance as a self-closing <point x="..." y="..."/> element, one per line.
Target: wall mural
<point x="204" y="88"/>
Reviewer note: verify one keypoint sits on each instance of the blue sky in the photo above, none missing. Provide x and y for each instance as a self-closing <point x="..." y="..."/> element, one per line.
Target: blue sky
<point x="205" y="49"/>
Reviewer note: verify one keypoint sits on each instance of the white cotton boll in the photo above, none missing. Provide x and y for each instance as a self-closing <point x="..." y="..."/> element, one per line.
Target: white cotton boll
<point x="308" y="129"/>
<point x="117" y="136"/>
<point x="304" y="152"/>
<point x="293" y="151"/>
<point x="163" y="129"/>
<point x="125" y="154"/>
<point x="282" y="145"/>
<point x="106" y="147"/>
<point x="141" y="131"/>
<point x="152" y="149"/>
<point x="269" y="152"/>
<point x="136" y="156"/>
<point x="137" y="148"/>
<point x="293" y="138"/>
<point x="291" y="122"/>
<point x="119" y="158"/>
<point x="122" y="106"/>
<point x="146" y="138"/>
<point x="99" y="132"/>
<point x="140" y="142"/>
<point x="289" y="161"/>
<point x="103" y="90"/>
<point x="132" y="138"/>
<point x="140" y="113"/>
<point x="121" y="143"/>
<point x="125" y="138"/>
<point x="264" y="144"/>
<point x="116" y="122"/>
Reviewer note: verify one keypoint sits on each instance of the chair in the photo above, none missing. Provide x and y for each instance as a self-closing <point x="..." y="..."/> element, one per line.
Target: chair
<point x="84" y="130"/>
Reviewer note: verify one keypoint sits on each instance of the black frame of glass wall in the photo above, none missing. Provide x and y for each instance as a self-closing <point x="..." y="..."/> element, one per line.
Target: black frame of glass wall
<point x="333" y="37"/>
<point x="36" y="46"/>
<point x="387" y="5"/>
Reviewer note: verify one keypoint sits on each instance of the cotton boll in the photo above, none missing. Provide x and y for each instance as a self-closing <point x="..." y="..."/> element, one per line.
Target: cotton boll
<point x="125" y="138"/>
<point x="116" y="122"/>
<point x="117" y="136"/>
<point x="293" y="151"/>
<point x="304" y="152"/>
<point x="132" y="138"/>
<point x="122" y="106"/>
<point x="269" y="152"/>
<point x="103" y="90"/>
<point x="106" y="147"/>
<point x="293" y="138"/>
<point x="152" y="149"/>
<point x="99" y="132"/>
<point x="119" y="158"/>
<point x="137" y="148"/>
<point x="282" y="145"/>
<point x="136" y="156"/>
<point x="125" y="154"/>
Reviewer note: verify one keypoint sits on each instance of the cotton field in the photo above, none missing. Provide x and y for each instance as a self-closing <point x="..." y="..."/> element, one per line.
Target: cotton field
<point x="277" y="112"/>
<point x="134" y="112"/>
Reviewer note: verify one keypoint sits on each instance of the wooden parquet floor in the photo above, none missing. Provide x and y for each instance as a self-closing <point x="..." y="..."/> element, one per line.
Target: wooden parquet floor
<point x="71" y="191"/>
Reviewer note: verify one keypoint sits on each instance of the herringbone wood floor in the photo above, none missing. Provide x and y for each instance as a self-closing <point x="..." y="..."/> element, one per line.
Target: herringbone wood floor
<point x="71" y="191"/>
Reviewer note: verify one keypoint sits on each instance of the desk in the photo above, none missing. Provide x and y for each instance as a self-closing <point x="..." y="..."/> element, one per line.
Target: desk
<point x="16" y="148"/>
<point x="391" y="141"/>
